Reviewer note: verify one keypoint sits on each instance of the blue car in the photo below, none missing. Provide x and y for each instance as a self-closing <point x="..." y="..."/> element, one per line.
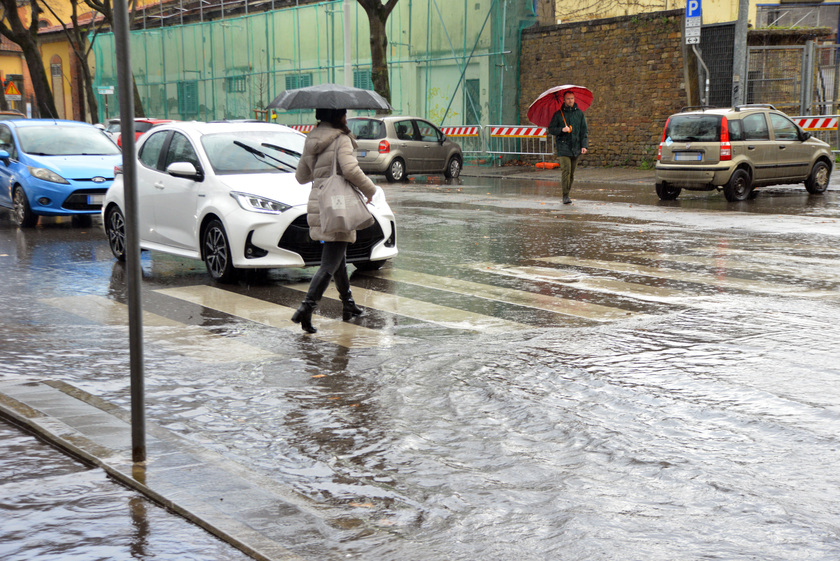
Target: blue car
<point x="54" y="168"/>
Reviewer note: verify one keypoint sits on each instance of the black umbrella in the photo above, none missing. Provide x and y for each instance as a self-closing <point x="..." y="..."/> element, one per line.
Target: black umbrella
<point x="330" y="96"/>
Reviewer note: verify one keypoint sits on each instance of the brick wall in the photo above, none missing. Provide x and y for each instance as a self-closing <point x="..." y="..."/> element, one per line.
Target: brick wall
<point x="634" y="67"/>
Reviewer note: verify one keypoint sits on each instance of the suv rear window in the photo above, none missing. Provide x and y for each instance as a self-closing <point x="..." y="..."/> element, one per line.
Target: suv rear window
<point x="694" y="128"/>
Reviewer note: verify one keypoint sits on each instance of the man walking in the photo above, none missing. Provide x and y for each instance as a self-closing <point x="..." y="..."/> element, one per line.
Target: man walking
<point x="568" y="125"/>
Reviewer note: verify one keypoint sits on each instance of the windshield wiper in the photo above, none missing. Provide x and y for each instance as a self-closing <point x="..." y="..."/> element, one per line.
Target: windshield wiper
<point x="281" y="149"/>
<point x="264" y="156"/>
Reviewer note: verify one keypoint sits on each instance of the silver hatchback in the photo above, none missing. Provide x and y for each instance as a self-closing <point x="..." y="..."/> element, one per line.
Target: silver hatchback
<point x="399" y="146"/>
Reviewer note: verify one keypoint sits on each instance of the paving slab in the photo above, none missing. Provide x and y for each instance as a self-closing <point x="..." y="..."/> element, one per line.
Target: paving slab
<point x="251" y="512"/>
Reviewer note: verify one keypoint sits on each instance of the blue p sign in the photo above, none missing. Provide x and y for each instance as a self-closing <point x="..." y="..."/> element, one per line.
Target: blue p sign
<point x="692" y="8"/>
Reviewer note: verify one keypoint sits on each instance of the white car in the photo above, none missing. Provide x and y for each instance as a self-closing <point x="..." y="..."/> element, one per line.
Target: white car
<point x="226" y="193"/>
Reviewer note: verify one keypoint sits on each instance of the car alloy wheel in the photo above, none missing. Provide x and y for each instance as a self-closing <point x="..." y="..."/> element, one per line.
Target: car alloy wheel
<point x="24" y="217"/>
<point x="817" y="182"/>
<point x="395" y="171"/>
<point x="453" y="168"/>
<point x="217" y="252"/>
<point x="115" y="228"/>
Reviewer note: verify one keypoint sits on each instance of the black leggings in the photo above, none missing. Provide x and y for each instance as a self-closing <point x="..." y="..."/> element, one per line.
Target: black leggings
<point x="333" y="265"/>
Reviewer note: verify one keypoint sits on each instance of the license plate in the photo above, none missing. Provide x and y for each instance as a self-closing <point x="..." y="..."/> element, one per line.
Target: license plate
<point x="96" y="199"/>
<point x="362" y="154"/>
<point x="688" y="156"/>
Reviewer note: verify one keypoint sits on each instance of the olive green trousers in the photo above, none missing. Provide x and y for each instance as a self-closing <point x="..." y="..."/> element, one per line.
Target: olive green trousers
<point x="567" y="173"/>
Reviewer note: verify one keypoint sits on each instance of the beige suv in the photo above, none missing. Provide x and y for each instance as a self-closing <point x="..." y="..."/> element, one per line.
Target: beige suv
<point x="736" y="150"/>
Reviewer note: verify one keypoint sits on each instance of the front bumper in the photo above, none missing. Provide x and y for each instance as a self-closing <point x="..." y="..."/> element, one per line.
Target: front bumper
<point x="275" y="244"/>
<point x="57" y="199"/>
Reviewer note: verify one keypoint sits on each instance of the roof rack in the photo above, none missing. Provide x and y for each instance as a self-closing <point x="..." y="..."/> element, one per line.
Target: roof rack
<point x="754" y="106"/>
<point x="697" y="107"/>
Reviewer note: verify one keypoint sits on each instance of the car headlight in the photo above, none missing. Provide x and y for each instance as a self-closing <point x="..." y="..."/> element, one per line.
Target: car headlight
<point x="47" y="175"/>
<point x="378" y="197"/>
<point x="254" y="203"/>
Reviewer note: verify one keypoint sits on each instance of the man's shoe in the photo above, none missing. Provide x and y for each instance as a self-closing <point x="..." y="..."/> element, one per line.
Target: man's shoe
<point x="566" y="199"/>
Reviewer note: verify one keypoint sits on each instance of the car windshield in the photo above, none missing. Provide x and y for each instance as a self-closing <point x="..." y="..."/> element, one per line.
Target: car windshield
<point x="253" y="151"/>
<point x="366" y="129"/>
<point x="58" y="140"/>
<point x="694" y="128"/>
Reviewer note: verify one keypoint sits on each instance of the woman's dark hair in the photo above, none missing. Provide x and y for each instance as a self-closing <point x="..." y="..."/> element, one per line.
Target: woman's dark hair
<point x="333" y="117"/>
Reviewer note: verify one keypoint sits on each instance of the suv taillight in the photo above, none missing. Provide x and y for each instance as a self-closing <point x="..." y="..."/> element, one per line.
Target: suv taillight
<point x="384" y="147"/>
<point x="725" y="146"/>
<point x="664" y="136"/>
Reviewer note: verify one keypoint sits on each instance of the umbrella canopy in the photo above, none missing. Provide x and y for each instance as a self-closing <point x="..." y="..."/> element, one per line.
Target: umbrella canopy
<point x="329" y="96"/>
<point x="548" y="102"/>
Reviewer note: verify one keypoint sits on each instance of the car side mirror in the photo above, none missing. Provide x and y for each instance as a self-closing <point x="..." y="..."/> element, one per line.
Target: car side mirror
<point x="184" y="170"/>
<point x="100" y="126"/>
<point x="5" y="157"/>
<point x="805" y="136"/>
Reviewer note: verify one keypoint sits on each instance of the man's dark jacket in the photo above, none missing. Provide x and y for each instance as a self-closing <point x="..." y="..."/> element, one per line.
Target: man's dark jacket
<point x="569" y="143"/>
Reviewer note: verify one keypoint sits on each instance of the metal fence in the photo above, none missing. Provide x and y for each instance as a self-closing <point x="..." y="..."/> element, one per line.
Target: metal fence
<point x="797" y="79"/>
<point x="506" y="140"/>
<point x="471" y="139"/>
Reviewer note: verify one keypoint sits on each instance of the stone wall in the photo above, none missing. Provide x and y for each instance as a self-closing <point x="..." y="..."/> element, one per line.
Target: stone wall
<point x="634" y="67"/>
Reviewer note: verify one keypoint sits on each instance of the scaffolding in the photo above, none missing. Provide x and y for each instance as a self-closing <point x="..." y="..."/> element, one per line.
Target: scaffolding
<point x="459" y="70"/>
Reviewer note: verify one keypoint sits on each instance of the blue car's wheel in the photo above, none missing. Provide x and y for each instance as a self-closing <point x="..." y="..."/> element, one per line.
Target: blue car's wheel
<point x="24" y="217"/>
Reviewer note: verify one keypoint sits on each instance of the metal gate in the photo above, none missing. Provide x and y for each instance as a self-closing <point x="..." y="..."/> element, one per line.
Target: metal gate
<point x="797" y="79"/>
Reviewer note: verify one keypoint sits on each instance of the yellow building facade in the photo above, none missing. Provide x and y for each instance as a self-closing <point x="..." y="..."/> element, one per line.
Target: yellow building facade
<point x="714" y="11"/>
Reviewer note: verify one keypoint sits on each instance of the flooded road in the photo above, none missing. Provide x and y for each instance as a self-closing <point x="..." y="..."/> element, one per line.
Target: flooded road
<point x="615" y="379"/>
<point x="54" y="507"/>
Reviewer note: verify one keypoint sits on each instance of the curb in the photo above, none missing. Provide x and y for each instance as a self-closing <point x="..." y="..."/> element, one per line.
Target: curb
<point x="28" y="405"/>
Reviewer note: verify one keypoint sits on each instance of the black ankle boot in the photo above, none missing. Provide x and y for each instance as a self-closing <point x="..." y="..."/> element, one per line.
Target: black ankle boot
<point x="349" y="308"/>
<point x="303" y="316"/>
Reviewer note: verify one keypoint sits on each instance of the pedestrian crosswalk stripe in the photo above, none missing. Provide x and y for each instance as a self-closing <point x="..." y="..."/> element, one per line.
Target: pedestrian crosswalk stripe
<point x="576" y="308"/>
<point x="424" y="311"/>
<point x="686" y="276"/>
<point x="274" y="315"/>
<point x="583" y="282"/>
<point x="775" y="264"/>
<point x="188" y="340"/>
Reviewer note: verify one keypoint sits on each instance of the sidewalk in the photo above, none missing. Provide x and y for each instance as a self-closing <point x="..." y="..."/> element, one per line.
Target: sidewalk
<point x="582" y="174"/>
<point x="247" y="510"/>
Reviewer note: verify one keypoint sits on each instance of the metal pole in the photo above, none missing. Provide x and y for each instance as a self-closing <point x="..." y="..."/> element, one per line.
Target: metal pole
<point x="135" y="307"/>
<point x="348" y="68"/>
<point x="739" y="54"/>
<point x="705" y="99"/>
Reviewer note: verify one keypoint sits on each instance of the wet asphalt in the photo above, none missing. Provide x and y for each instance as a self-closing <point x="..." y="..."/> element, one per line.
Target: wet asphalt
<point x="542" y="418"/>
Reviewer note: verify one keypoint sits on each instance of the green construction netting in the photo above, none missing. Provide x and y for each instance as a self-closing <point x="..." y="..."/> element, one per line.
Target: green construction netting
<point x="454" y="63"/>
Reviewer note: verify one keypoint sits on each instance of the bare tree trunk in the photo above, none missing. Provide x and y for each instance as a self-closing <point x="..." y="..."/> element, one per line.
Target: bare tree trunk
<point x="40" y="84"/>
<point x="13" y="29"/>
<point x="4" y="105"/>
<point x="377" y="14"/>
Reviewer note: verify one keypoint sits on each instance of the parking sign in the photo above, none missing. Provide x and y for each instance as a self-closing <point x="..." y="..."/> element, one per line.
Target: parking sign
<point x="693" y="9"/>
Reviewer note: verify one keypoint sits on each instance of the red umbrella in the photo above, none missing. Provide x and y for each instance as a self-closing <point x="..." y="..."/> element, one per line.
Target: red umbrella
<point x="548" y="102"/>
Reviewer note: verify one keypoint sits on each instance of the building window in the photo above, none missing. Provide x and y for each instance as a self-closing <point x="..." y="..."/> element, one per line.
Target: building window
<point x="188" y="98"/>
<point x="294" y="81"/>
<point x="362" y="79"/>
<point x="235" y="84"/>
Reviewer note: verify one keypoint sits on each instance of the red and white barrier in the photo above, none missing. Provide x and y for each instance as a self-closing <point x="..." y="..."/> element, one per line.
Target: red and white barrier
<point x="460" y="131"/>
<point x="305" y="129"/>
<point x="517" y="132"/>
<point x="817" y="123"/>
